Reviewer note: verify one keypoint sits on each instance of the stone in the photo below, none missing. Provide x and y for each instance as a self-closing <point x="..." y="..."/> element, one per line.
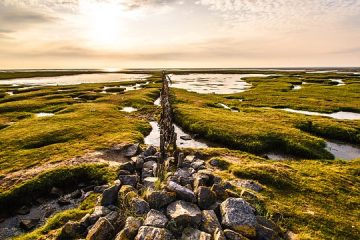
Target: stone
<point x="249" y="184"/>
<point x="190" y="158"/>
<point x="72" y="230"/>
<point x="23" y="210"/>
<point x="209" y="221"/>
<point x="268" y="223"/>
<point x="159" y="199"/>
<point x="264" y="233"/>
<point x="201" y="180"/>
<point x="219" y="191"/>
<point x="130" y="230"/>
<point x="146" y="172"/>
<point x="125" y="189"/>
<point x="182" y="192"/>
<point x="62" y="201"/>
<point x="198" y="164"/>
<point x="239" y="216"/>
<point x="109" y="196"/>
<point x="151" y="158"/>
<point x="124" y="172"/>
<point x="100" y="189"/>
<point x="206" y="197"/>
<point x="99" y="211"/>
<point x="150" y="151"/>
<point x="139" y="162"/>
<point x="289" y="235"/>
<point x="194" y="234"/>
<point x="139" y="206"/>
<point x="232" y="235"/>
<point x="155" y="218"/>
<point x="131" y="150"/>
<point x="76" y="194"/>
<point x="127" y="166"/>
<point x="153" y="233"/>
<point x="150" y="165"/>
<point x="150" y="182"/>
<point x="129" y="180"/>
<point x="184" y="213"/>
<point x="102" y="230"/>
<point x="28" y="224"/>
<point x="219" y="234"/>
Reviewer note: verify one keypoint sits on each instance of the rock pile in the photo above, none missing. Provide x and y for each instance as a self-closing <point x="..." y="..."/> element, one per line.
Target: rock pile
<point x="192" y="203"/>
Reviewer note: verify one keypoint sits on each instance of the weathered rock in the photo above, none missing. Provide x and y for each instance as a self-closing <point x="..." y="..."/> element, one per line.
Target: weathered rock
<point x="150" y="182"/>
<point x="131" y="150"/>
<point x="268" y="223"/>
<point x="99" y="211"/>
<point x="127" y="166"/>
<point x="100" y="189"/>
<point x="156" y="219"/>
<point x="150" y="151"/>
<point x="198" y="164"/>
<point x="184" y="213"/>
<point x="249" y="184"/>
<point x="129" y="180"/>
<point x="184" y="176"/>
<point x="232" y="235"/>
<point x="124" y="172"/>
<point x="139" y="206"/>
<point x="206" y="197"/>
<point x="153" y="233"/>
<point x="151" y="158"/>
<point x="182" y="192"/>
<point x="159" y="199"/>
<point x="146" y="172"/>
<point x="209" y="221"/>
<point x="23" y="210"/>
<point x="219" y="191"/>
<point x="190" y="158"/>
<point x="150" y="165"/>
<point x="102" y="230"/>
<point x="130" y="230"/>
<point x="109" y="196"/>
<point x="194" y="234"/>
<point x="28" y="224"/>
<point x="201" y="180"/>
<point x="239" y="216"/>
<point x="264" y="233"/>
<point x="219" y="234"/>
<point x="139" y="162"/>
<point x="77" y="193"/>
<point x="62" y="201"/>
<point x="72" y="230"/>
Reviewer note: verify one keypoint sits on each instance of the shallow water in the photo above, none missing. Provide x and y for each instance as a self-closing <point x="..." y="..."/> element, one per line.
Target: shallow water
<point x="157" y="102"/>
<point x="297" y="87"/>
<point x="129" y="109"/>
<point x="337" y="115"/>
<point x="213" y="83"/>
<point x="342" y="150"/>
<point x="227" y="107"/>
<point x="77" y="79"/>
<point x="338" y="81"/>
<point x="43" y="114"/>
<point x="154" y="138"/>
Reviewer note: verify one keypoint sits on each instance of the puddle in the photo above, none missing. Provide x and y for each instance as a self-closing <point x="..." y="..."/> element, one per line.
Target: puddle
<point x="129" y="109"/>
<point x="213" y="83"/>
<point x="296" y="87"/>
<point x="338" y="81"/>
<point x="342" y="150"/>
<point x="126" y="88"/>
<point x="227" y="107"/>
<point x="157" y="102"/>
<point x="77" y="79"/>
<point x="337" y="115"/>
<point x="42" y="114"/>
<point x="154" y="138"/>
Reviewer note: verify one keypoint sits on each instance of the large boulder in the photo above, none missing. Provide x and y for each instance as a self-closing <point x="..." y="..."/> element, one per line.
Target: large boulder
<point x="102" y="230"/>
<point x="130" y="230"/>
<point x="206" y="197"/>
<point x="109" y="196"/>
<point x="155" y="218"/>
<point x="153" y="233"/>
<point x="159" y="199"/>
<point x="209" y="221"/>
<point x="184" y="213"/>
<point x="194" y="234"/>
<point x="239" y="216"/>
<point x="131" y="180"/>
<point x="182" y="192"/>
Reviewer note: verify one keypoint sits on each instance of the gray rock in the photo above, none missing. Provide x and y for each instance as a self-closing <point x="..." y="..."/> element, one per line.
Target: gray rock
<point x="72" y="230"/>
<point x="76" y="194"/>
<point x="99" y="211"/>
<point x="194" y="234"/>
<point x="182" y="192"/>
<point x="131" y="150"/>
<point x="150" y="151"/>
<point x="102" y="230"/>
<point x="151" y="158"/>
<point x="109" y="196"/>
<point x="239" y="216"/>
<point x="153" y="233"/>
<point x="23" y="210"/>
<point x="150" y="165"/>
<point x="156" y="219"/>
<point x="201" y="180"/>
<point x="127" y="166"/>
<point x="62" y="201"/>
<point x="249" y="184"/>
<point x="184" y="176"/>
<point x="100" y="189"/>
<point x="184" y="213"/>
<point x="139" y="206"/>
<point x="190" y="158"/>
<point x="130" y="230"/>
<point x="150" y="182"/>
<point x="219" y="191"/>
<point x="146" y="172"/>
<point x="198" y="164"/>
<point x="124" y="172"/>
<point x="206" y="197"/>
<point x="232" y="235"/>
<point x="131" y="180"/>
<point x="139" y="162"/>
<point x="159" y="199"/>
<point x="28" y="224"/>
<point x="209" y="221"/>
<point x="219" y="234"/>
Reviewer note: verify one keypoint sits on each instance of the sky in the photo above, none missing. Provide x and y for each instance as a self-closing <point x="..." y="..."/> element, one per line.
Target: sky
<point x="174" y="33"/>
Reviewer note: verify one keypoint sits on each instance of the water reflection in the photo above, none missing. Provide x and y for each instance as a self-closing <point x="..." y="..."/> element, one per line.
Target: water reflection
<point x="337" y="115"/>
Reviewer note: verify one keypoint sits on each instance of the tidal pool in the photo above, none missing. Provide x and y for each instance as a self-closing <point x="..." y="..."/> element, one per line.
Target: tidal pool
<point x="342" y="150"/>
<point x="337" y="115"/>
<point x="129" y="109"/>
<point x="77" y="79"/>
<point x="213" y="83"/>
<point x="338" y="81"/>
<point x="154" y="138"/>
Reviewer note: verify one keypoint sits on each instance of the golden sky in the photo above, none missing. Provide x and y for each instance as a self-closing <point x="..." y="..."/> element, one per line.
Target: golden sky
<point x="172" y="33"/>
